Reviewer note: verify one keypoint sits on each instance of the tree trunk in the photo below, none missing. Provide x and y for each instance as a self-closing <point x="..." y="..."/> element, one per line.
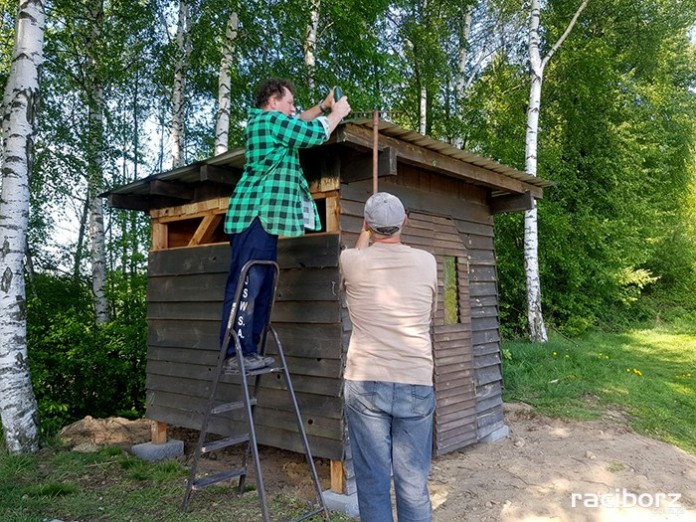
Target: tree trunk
<point x="462" y="61"/>
<point x="96" y="164"/>
<point x="18" y="408"/>
<point x="423" y="108"/>
<point x="537" y="329"/>
<point x="310" y="45"/>
<point x="183" y="50"/>
<point x="80" y="241"/>
<point x="222" y="127"/>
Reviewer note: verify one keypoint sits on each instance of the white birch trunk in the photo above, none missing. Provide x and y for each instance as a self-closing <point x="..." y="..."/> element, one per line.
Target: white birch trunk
<point x="183" y="51"/>
<point x="222" y="126"/>
<point x="423" y="109"/>
<point x="537" y="329"/>
<point x="310" y="45"/>
<point x="96" y="166"/>
<point x="18" y="408"/>
<point x="462" y="61"/>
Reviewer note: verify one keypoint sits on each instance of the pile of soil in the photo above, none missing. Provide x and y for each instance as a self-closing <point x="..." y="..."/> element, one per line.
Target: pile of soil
<point x="547" y="469"/>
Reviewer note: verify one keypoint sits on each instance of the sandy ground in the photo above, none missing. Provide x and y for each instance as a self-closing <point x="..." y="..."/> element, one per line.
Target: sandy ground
<point x="547" y="469"/>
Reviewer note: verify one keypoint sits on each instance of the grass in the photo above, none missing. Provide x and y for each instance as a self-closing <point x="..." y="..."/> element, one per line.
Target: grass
<point x="112" y="486"/>
<point x="647" y="376"/>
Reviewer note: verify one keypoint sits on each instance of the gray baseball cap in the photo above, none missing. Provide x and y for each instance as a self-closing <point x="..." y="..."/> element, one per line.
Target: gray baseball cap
<point x="384" y="213"/>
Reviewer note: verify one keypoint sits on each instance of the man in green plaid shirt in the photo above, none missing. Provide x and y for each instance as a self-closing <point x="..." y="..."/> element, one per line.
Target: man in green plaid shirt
<point x="271" y="199"/>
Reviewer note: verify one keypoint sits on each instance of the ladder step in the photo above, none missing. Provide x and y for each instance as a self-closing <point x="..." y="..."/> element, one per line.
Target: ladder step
<point x="229" y="406"/>
<point x="224" y="443"/>
<point x="218" y="477"/>
<point x="260" y="371"/>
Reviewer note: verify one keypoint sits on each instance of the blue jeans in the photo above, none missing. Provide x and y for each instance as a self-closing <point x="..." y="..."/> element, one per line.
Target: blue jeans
<point x="257" y="295"/>
<point x="391" y="430"/>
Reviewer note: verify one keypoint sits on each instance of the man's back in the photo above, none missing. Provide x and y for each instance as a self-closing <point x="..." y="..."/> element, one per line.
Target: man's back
<point x="392" y="294"/>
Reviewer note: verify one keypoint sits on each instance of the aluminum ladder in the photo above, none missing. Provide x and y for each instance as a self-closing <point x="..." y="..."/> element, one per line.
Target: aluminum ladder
<point x="247" y="404"/>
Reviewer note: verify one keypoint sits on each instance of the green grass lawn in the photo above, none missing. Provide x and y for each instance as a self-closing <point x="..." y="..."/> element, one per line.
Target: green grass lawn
<point x="112" y="486"/>
<point x="647" y="375"/>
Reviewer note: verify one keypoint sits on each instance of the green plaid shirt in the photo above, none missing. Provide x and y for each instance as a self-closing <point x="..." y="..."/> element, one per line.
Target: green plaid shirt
<point x="272" y="186"/>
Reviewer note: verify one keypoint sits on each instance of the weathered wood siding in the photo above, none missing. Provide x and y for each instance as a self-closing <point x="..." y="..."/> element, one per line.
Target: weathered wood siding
<point x="185" y="291"/>
<point x="467" y="209"/>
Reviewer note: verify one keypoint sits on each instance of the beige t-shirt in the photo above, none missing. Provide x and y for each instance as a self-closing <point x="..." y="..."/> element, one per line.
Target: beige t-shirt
<point x="392" y="295"/>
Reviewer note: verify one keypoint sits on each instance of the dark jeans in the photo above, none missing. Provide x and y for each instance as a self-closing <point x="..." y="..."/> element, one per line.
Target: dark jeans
<point x="257" y="295"/>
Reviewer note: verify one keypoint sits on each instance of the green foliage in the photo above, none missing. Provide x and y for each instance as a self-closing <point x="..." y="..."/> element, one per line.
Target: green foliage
<point x="647" y="375"/>
<point x="617" y="137"/>
<point x="79" y="368"/>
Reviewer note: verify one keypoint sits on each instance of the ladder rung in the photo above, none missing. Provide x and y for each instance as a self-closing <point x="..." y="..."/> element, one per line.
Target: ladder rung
<point x="260" y="371"/>
<point x="224" y="443"/>
<point x="229" y="406"/>
<point x="218" y="477"/>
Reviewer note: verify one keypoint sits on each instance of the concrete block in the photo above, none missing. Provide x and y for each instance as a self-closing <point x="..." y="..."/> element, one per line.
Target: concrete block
<point x="151" y="452"/>
<point x="497" y="435"/>
<point x="347" y="504"/>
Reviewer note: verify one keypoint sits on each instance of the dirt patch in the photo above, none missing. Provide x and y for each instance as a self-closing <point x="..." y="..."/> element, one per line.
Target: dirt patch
<point x="547" y="469"/>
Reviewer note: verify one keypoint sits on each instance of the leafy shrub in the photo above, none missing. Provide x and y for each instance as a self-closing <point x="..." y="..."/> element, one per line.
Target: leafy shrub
<point x="80" y="368"/>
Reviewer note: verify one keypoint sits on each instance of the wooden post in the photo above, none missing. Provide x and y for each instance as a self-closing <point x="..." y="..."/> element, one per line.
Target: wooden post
<point x="159" y="236"/>
<point x="338" y="478"/>
<point x="159" y="432"/>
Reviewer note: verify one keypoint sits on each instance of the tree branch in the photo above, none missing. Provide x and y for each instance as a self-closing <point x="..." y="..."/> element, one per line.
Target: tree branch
<point x="560" y="41"/>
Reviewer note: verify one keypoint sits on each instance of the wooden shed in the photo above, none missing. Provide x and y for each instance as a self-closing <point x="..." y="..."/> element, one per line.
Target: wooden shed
<point x="451" y="197"/>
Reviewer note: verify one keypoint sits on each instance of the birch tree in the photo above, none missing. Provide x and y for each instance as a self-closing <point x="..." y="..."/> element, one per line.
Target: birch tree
<point x="537" y="329"/>
<point x="222" y="126"/>
<point x="310" y="45"/>
<point x="183" y="43"/>
<point x="95" y="161"/>
<point x="18" y="408"/>
<point x="462" y="62"/>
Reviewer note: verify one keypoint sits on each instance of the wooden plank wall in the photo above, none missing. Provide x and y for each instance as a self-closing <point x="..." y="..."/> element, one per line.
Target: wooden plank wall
<point x="185" y="291"/>
<point x="466" y="205"/>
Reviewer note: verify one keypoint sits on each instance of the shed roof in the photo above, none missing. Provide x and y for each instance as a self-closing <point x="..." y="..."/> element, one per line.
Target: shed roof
<point x="409" y="147"/>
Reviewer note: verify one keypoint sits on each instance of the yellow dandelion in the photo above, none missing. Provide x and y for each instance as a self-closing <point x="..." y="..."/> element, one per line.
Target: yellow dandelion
<point x="637" y="371"/>
<point x="628" y="370"/>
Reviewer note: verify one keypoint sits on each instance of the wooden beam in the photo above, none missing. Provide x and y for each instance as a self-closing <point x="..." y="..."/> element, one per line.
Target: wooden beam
<point x="160" y="239"/>
<point x="333" y="211"/>
<point x="434" y="161"/>
<point x="158" y="432"/>
<point x="129" y="202"/>
<point x="171" y="190"/>
<point x="338" y="477"/>
<point x="206" y="230"/>
<point x="358" y="168"/>
<point x="223" y="175"/>
<point x="513" y="203"/>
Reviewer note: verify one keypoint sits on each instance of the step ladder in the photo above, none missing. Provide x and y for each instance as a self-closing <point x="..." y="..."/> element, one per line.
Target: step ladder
<point x="247" y="405"/>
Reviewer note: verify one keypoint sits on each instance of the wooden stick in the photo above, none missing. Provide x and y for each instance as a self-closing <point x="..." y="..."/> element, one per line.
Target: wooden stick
<point x="375" y="152"/>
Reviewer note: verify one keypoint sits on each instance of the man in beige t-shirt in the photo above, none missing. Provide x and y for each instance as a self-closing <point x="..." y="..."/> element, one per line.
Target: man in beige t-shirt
<point x="389" y="397"/>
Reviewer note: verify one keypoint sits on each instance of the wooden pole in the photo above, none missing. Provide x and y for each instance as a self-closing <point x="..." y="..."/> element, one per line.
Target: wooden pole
<point x="375" y="151"/>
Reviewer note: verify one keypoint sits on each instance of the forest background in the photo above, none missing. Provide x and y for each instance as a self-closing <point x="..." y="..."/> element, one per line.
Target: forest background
<point x="130" y="88"/>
